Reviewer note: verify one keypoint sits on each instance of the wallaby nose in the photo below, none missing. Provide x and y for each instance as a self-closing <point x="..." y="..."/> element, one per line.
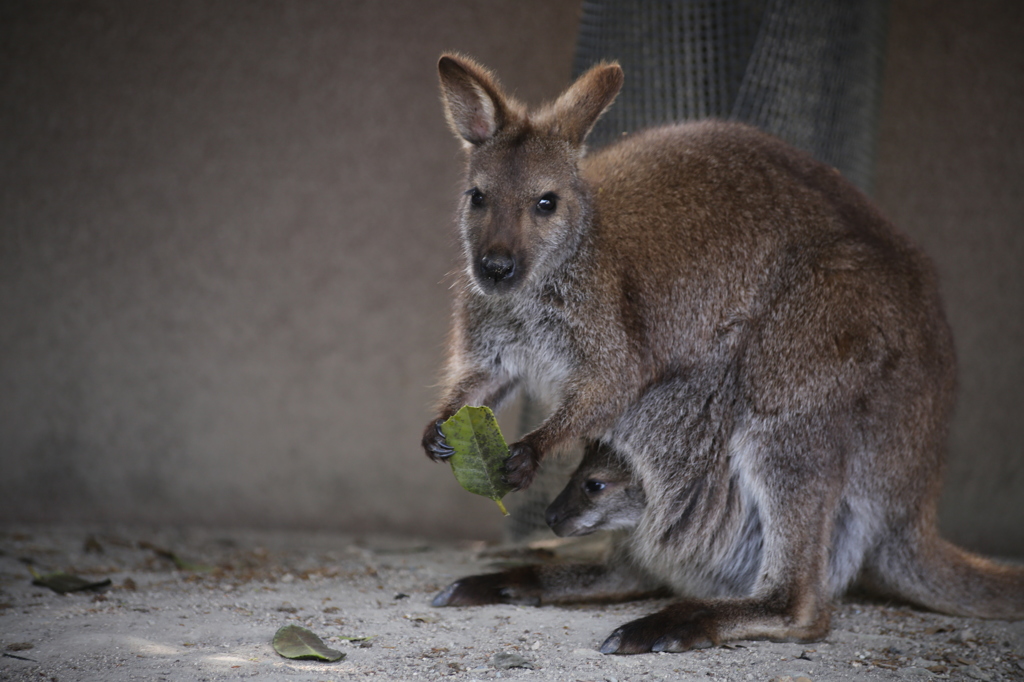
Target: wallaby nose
<point x="552" y="517"/>
<point x="497" y="266"/>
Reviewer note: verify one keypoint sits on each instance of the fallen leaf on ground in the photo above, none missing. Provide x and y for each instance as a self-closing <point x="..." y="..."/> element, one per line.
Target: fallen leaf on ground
<point x="480" y="452"/>
<point x="296" y="642"/>
<point x="61" y="582"/>
<point x="423" y="618"/>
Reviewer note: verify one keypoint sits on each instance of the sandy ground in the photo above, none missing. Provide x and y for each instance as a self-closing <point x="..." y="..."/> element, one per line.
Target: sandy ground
<point x="159" y="622"/>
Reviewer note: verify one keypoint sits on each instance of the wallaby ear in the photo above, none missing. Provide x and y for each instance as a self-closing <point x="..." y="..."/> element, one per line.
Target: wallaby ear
<point x="473" y="103"/>
<point x="578" y="108"/>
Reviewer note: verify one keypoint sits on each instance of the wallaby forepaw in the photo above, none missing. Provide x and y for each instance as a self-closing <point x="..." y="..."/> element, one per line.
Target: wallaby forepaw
<point x="434" y="442"/>
<point x="521" y="465"/>
<point x="667" y="630"/>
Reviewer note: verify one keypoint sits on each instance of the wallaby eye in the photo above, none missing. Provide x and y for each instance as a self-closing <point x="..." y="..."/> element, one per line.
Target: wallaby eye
<point x="547" y="203"/>
<point x="476" y="197"/>
<point x="594" y="486"/>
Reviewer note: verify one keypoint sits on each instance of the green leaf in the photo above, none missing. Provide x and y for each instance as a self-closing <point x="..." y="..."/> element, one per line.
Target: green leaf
<point x="480" y="452"/>
<point x="293" y="641"/>
<point x="61" y="582"/>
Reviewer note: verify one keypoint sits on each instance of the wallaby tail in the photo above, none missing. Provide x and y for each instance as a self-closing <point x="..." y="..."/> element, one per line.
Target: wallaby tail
<point x="924" y="569"/>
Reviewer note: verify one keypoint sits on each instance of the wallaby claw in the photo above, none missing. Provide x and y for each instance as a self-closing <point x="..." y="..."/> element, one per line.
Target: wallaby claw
<point x="444" y="597"/>
<point x="611" y="645"/>
<point x="670" y="630"/>
<point x="472" y="590"/>
<point x="521" y="465"/>
<point x="514" y="586"/>
<point x="435" y="444"/>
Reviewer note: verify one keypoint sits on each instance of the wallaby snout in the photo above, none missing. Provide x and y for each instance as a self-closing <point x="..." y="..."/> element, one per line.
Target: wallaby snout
<point x="496" y="266"/>
<point x="565" y="520"/>
<point x="556" y="516"/>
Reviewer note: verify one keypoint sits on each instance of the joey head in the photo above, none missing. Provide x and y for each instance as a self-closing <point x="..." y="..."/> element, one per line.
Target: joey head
<point x="601" y="495"/>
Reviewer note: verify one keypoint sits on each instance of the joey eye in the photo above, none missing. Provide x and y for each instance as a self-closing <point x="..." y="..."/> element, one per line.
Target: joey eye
<point x="594" y="486"/>
<point x="547" y="203"/>
<point x="476" y="197"/>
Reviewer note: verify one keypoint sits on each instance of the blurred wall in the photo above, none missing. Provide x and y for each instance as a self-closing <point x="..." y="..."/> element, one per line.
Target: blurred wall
<point x="225" y="230"/>
<point x="951" y="173"/>
<point x="225" y="233"/>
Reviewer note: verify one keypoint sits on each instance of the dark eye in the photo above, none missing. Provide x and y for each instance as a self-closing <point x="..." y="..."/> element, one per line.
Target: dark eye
<point x="547" y="203"/>
<point x="594" y="486"/>
<point x="476" y="197"/>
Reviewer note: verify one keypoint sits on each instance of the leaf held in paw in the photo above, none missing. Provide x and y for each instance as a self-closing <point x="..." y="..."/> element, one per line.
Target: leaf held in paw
<point x="296" y="642"/>
<point x="480" y="452"/>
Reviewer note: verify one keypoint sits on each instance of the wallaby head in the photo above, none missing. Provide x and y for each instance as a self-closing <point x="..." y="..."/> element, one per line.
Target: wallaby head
<point x="524" y="206"/>
<point x="601" y="495"/>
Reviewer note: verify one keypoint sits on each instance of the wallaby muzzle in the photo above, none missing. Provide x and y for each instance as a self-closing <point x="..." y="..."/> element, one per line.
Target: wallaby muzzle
<point x="562" y="518"/>
<point x="496" y="270"/>
<point x="498" y="266"/>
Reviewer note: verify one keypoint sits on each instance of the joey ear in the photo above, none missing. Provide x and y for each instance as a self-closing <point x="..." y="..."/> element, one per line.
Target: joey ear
<point x="473" y="103"/>
<point x="578" y="108"/>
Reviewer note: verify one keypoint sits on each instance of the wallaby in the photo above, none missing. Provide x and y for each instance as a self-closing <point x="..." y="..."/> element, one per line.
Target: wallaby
<point x="739" y="322"/>
<point x="602" y="494"/>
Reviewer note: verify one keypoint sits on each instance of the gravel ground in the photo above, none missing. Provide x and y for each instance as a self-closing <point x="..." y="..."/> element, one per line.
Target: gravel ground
<point x="159" y="621"/>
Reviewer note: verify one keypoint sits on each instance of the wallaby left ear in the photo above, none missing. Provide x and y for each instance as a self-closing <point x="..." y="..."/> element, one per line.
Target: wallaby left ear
<point x="578" y="108"/>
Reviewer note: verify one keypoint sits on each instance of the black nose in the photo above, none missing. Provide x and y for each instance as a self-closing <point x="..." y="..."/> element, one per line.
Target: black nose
<point x="497" y="266"/>
<point x="552" y="517"/>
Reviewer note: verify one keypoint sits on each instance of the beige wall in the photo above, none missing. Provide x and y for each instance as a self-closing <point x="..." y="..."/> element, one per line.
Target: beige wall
<point x="951" y="173"/>
<point x="225" y="228"/>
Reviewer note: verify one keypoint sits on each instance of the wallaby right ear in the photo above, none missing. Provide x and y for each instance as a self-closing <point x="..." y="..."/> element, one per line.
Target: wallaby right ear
<point x="473" y="103"/>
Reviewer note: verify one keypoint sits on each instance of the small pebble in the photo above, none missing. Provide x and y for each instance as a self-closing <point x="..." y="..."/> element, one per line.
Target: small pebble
<point x="976" y="673"/>
<point x="507" y="661"/>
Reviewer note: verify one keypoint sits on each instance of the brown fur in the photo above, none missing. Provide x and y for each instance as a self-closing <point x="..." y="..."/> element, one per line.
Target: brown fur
<point x="738" y="321"/>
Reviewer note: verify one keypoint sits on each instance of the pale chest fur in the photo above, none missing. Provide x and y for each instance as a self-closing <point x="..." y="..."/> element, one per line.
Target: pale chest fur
<point x="528" y="339"/>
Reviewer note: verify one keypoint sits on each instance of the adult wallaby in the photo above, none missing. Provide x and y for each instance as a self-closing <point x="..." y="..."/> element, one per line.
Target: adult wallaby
<point x="738" y="321"/>
<point x="602" y="494"/>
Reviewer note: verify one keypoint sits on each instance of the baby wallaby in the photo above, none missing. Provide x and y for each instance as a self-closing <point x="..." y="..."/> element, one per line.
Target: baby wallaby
<point x="743" y="326"/>
<point x="602" y="494"/>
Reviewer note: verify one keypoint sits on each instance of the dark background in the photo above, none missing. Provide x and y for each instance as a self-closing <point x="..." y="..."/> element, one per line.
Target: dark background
<point x="225" y="230"/>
